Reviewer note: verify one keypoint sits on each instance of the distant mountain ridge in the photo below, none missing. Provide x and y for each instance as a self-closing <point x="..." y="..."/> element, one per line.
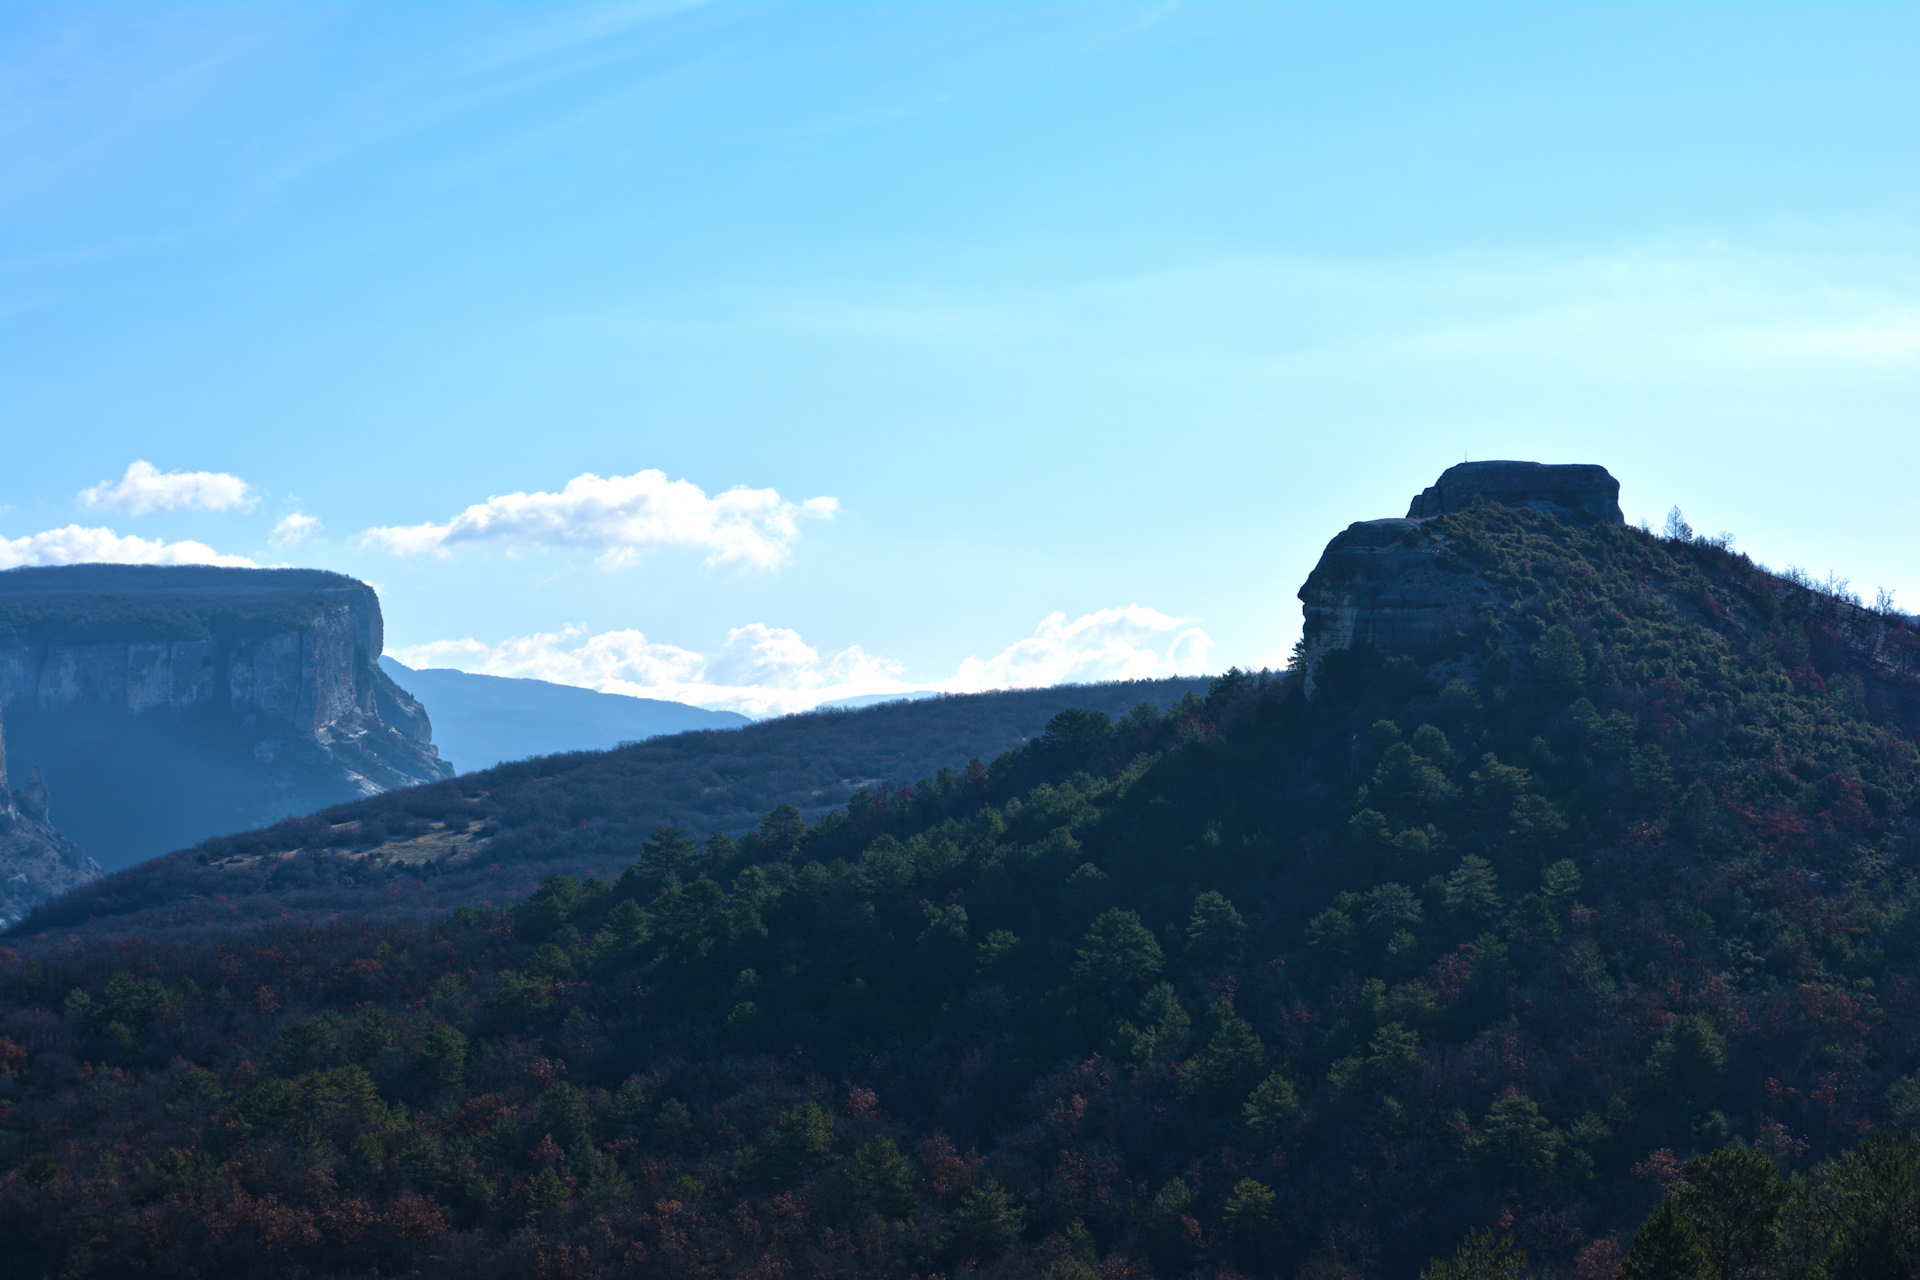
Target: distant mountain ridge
<point x="480" y="721"/>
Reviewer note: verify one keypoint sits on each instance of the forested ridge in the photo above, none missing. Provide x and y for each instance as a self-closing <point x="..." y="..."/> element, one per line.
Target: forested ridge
<point x="493" y="835"/>
<point x="1597" y="942"/>
<point x="105" y="603"/>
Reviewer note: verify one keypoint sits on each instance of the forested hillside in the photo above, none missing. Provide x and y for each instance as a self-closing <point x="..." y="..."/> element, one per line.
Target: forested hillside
<point x="493" y="835"/>
<point x="1611" y="917"/>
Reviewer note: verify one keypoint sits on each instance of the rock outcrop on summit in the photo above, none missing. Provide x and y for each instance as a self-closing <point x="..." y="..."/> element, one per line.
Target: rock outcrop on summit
<point x="1582" y="490"/>
<point x="169" y="704"/>
<point x="1394" y="585"/>
<point x="1400" y="587"/>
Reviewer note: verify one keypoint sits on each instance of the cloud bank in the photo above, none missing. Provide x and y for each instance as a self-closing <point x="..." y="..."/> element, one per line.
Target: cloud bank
<point x="77" y="545"/>
<point x="1111" y="644"/>
<point x="145" y="489"/>
<point x="620" y="518"/>
<point x="764" y="671"/>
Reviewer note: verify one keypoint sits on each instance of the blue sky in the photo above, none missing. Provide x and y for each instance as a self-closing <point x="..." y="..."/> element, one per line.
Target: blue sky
<point x="1046" y="341"/>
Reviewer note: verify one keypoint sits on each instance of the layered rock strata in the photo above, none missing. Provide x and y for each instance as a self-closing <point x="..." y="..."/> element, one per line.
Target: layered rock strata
<point x="1394" y="584"/>
<point x="168" y="704"/>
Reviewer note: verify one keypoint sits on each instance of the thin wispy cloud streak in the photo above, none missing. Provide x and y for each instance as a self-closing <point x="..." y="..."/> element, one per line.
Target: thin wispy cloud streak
<point x="166" y="77"/>
<point x="1635" y="301"/>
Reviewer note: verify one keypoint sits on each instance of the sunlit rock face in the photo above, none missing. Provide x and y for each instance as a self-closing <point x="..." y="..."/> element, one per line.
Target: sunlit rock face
<point x="1394" y="584"/>
<point x="1391" y="584"/>
<point x="168" y="704"/>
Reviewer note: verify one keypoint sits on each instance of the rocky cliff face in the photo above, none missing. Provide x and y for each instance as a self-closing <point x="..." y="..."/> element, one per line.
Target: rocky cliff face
<point x="169" y="704"/>
<point x="1394" y="584"/>
<point x="36" y="860"/>
<point x="1582" y="490"/>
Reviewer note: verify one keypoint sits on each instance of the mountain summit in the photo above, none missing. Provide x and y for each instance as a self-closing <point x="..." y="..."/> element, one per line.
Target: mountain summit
<point x="1579" y="490"/>
<point x="1398" y="586"/>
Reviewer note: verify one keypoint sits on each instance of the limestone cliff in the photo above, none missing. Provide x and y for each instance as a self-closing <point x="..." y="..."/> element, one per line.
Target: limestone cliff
<point x="36" y="860"/>
<point x="1582" y="490"/>
<point x="167" y="704"/>
<point x="1395" y="585"/>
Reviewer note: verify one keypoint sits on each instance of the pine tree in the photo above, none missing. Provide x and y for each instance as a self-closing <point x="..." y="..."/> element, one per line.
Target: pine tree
<point x="1271" y="1105"/>
<point x="1117" y="957"/>
<point x="1214" y="930"/>
<point x="1876" y="1188"/>
<point x="1518" y="1140"/>
<point x="1250" y="1205"/>
<point x="883" y="1180"/>
<point x="562" y="1114"/>
<point x="627" y="1114"/>
<point x="1233" y="1061"/>
<point x="549" y="1198"/>
<point x="1734" y="1197"/>
<point x="1667" y="1247"/>
<point x="987" y="1221"/>
<point x="799" y="1142"/>
<point x="1473" y="890"/>
<point x="1482" y="1256"/>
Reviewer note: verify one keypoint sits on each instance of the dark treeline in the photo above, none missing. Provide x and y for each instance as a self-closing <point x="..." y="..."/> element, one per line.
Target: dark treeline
<point x="1598" y="943"/>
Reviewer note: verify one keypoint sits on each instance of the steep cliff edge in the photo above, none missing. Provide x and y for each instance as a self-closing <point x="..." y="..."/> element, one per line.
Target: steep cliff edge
<point x="1397" y="586"/>
<point x="36" y="860"/>
<point x="168" y="704"/>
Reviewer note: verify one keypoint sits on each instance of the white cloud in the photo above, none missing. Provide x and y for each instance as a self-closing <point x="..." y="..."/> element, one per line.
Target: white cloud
<point x="620" y="518"/>
<point x="294" y="529"/>
<point x="146" y="489"/>
<point x="77" y="545"/>
<point x="759" y="670"/>
<point x="763" y="671"/>
<point x="613" y="661"/>
<point x="1112" y="644"/>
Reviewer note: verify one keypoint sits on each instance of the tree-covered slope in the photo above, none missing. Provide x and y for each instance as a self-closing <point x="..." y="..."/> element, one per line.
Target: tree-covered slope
<point x="493" y="835"/>
<point x="1262" y="985"/>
